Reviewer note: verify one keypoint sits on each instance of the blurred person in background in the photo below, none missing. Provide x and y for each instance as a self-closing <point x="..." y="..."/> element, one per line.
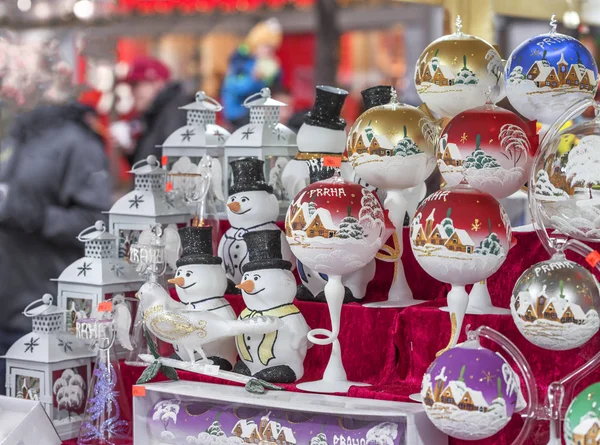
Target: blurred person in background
<point x="54" y="182"/>
<point x="253" y="66"/>
<point x="155" y="99"/>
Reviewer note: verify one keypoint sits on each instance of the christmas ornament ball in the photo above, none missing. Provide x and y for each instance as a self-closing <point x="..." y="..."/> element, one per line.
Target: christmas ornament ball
<point x="548" y="73"/>
<point x="565" y="182"/>
<point x="555" y="304"/>
<point x="455" y="72"/>
<point x="460" y="235"/>
<point x="489" y="147"/>
<point x="392" y="146"/>
<point x="470" y="392"/>
<point x="582" y="420"/>
<point x="335" y="226"/>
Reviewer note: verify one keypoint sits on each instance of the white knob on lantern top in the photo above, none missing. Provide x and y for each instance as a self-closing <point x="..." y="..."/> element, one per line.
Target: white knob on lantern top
<point x="200" y="96"/>
<point x="151" y="160"/>
<point x="99" y="226"/>
<point x="47" y="299"/>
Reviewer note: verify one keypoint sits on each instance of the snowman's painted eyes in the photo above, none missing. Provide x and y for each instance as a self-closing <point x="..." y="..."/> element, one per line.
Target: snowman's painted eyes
<point x="178" y="272"/>
<point x="232" y="199"/>
<point x="256" y="277"/>
<point x="244" y="199"/>
<point x="245" y="277"/>
<point x="188" y="274"/>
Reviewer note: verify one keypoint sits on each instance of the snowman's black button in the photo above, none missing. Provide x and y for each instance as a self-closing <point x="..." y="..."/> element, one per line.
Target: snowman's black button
<point x="235" y="256"/>
<point x="248" y="338"/>
<point x="237" y="246"/>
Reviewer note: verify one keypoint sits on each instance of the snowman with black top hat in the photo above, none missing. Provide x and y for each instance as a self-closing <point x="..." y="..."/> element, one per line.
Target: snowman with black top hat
<point x="322" y="135"/>
<point x="200" y="282"/>
<point x="251" y="206"/>
<point x="268" y="289"/>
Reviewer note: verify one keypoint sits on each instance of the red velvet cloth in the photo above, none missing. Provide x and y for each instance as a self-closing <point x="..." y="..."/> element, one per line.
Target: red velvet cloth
<point x="392" y="348"/>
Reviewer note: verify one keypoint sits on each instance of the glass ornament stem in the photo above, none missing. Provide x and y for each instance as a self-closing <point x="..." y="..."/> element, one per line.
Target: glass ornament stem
<point x="334" y="293"/>
<point x="396" y="205"/>
<point x="531" y="410"/>
<point x="458" y="300"/>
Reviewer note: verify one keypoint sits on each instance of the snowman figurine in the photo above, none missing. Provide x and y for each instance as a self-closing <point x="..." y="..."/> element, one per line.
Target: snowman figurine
<point x="251" y="206"/>
<point x="200" y="283"/>
<point x="323" y="134"/>
<point x="268" y="288"/>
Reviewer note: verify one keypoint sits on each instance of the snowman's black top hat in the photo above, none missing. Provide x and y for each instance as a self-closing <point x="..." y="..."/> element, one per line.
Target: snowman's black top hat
<point x="264" y="251"/>
<point x="327" y="108"/>
<point x="197" y="246"/>
<point x="248" y="176"/>
<point x="375" y="96"/>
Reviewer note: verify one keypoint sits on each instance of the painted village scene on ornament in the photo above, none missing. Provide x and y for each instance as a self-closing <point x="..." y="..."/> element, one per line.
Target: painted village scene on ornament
<point x="460" y="231"/>
<point x="566" y="186"/>
<point x="582" y="420"/>
<point x="344" y="220"/>
<point x="470" y="393"/>
<point x="489" y="147"/>
<point x="547" y="74"/>
<point x="198" y="423"/>
<point x="555" y="305"/>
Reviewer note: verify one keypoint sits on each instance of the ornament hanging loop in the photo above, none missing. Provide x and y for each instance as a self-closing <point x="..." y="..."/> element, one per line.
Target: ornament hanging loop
<point x="201" y="96"/>
<point x="99" y="227"/>
<point x="553" y="24"/>
<point x="264" y="93"/>
<point x="458" y="25"/>
<point x="46" y="300"/>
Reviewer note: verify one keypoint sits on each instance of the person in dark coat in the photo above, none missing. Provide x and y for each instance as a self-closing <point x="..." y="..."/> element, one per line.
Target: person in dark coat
<point x="54" y="182"/>
<point x="156" y="100"/>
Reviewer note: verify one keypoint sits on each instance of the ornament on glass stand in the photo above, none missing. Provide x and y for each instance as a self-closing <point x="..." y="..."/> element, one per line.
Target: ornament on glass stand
<point x="201" y="187"/>
<point x="548" y="73"/>
<point x="269" y="288"/>
<point x="470" y="392"/>
<point x="345" y="232"/>
<point x="321" y="136"/>
<point x="392" y="148"/>
<point x="582" y="420"/>
<point x="460" y="236"/>
<point x="107" y="416"/>
<point x="555" y="304"/>
<point x="251" y="206"/>
<point x="201" y="282"/>
<point x="455" y="71"/>
<point x="490" y="149"/>
<point x="312" y="286"/>
<point x="564" y="183"/>
<point x="50" y="366"/>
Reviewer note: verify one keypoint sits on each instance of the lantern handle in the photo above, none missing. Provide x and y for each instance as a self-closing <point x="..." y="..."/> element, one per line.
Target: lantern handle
<point x="46" y="300"/>
<point x="150" y="160"/>
<point x="201" y="96"/>
<point x="98" y="227"/>
<point x="265" y="93"/>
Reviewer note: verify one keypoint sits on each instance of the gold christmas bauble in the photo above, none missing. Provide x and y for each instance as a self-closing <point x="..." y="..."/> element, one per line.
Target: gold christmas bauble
<point x="455" y="73"/>
<point x="392" y="146"/>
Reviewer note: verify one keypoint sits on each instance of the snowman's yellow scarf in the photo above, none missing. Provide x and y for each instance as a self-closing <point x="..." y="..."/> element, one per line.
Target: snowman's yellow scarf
<point x="265" y="348"/>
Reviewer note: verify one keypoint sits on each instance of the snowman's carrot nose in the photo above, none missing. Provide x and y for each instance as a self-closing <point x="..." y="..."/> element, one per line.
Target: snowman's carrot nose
<point x="179" y="281"/>
<point x="246" y="286"/>
<point x="234" y="206"/>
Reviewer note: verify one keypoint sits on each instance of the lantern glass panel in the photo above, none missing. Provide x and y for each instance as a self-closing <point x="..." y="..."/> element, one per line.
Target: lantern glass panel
<point x="77" y="304"/>
<point x="27" y="384"/>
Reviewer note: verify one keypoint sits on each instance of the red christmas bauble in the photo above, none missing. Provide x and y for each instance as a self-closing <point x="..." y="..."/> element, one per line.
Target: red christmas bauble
<point x="335" y="226"/>
<point x="460" y="235"/>
<point x="490" y="147"/>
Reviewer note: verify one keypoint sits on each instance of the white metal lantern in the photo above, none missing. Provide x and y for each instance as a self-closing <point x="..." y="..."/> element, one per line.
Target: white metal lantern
<point x="96" y="277"/>
<point x="148" y="204"/>
<point x="51" y="366"/>
<point x="200" y="137"/>
<point x="264" y="138"/>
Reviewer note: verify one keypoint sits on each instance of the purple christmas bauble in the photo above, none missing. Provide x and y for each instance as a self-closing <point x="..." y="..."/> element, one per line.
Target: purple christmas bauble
<point x="470" y="392"/>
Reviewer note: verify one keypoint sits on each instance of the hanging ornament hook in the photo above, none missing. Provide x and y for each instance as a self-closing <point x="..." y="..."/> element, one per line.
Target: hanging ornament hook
<point x="201" y="96"/>
<point x="458" y="25"/>
<point x="553" y="24"/>
<point x="264" y="93"/>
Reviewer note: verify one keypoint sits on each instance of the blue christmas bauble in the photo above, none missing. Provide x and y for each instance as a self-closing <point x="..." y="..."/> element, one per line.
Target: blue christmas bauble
<point x="549" y="73"/>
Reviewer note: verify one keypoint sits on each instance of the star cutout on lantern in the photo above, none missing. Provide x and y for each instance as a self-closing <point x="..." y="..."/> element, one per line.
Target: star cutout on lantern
<point x="187" y="135"/>
<point x="476" y="225"/>
<point x="487" y="377"/>
<point x="84" y="269"/>
<point x="464" y="137"/>
<point x="117" y="269"/>
<point x="32" y="343"/>
<point x="247" y="133"/>
<point x="66" y="345"/>
<point x="220" y="136"/>
<point x="136" y="201"/>
<point x="277" y="132"/>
